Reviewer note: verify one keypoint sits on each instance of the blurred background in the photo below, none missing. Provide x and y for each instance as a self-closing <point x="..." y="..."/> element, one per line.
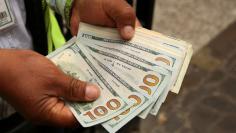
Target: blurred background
<point x="207" y="100"/>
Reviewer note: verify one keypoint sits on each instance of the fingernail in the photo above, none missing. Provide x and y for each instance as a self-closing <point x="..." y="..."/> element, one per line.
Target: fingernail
<point x="92" y="92"/>
<point x="128" y="32"/>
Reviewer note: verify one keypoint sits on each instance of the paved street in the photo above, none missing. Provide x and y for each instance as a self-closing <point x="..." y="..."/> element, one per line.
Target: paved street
<point x="196" y="21"/>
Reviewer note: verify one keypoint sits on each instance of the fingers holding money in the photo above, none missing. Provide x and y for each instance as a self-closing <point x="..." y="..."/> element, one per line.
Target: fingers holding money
<point x="123" y="15"/>
<point x="56" y="113"/>
<point x="115" y="13"/>
<point x="77" y="90"/>
<point x="39" y="87"/>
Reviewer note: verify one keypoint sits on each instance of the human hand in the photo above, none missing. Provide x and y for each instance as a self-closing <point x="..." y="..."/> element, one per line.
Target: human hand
<point x="34" y="86"/>
<point x="111" y="13"/>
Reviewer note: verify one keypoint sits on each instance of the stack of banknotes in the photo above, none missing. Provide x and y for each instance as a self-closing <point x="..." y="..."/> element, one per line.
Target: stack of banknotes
<point x="134" y="76"/>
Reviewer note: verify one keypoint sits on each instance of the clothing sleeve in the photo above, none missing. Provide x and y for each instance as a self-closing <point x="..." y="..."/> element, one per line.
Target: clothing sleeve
<point x="62" y="7"/>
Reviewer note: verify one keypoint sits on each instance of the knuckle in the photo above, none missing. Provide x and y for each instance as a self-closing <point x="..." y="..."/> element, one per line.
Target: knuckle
<point x="77" y="89"/>
<point x="126" y="16"/>
<point x="128" y="12"/>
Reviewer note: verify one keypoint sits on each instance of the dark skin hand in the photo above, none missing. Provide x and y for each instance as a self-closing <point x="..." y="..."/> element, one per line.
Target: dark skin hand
<point x="34" y="86"/>
<point x="110" y="13"/>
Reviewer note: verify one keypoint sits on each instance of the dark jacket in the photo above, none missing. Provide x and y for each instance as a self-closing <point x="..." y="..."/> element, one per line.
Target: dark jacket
<point x="35" y="24"/>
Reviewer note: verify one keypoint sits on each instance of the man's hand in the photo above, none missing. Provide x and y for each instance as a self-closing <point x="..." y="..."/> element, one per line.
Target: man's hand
<point x="35" y="87"/>
<point x="111" y="13"/>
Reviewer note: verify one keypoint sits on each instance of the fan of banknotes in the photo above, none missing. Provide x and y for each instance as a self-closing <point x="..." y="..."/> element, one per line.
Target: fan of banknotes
<point x="134" y="76"/>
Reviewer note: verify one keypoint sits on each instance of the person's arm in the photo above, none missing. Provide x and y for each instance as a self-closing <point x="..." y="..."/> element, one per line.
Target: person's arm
<point x="34" y="86"/>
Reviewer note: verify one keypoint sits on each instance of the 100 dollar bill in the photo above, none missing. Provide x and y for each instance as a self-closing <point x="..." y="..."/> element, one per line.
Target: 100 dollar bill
<point x="130" y="90"/>
<point x="127" y="66"/>
<point x="150" y="83"/>
<point x="137" y="51"/>
<point x="151" y="79"/>
<point x="154" y="52"/>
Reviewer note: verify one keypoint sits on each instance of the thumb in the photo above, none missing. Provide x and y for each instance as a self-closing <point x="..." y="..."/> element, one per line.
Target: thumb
<point x="123" y="15"/>
<point x="77" y="90"/>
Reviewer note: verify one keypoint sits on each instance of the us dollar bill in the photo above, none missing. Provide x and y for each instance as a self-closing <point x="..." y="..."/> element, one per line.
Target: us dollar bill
<point x="115" y="60"/>
<point x="72" y="61"/>
<point x="136" y="51"/>
<point x="181" y="47"/>
<point x="155" y="41"/>
<point x="153" y="52"/>
<point x="131" y="69"/>
<point x="134" y="76"/>
<point x="131" y="91"/>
